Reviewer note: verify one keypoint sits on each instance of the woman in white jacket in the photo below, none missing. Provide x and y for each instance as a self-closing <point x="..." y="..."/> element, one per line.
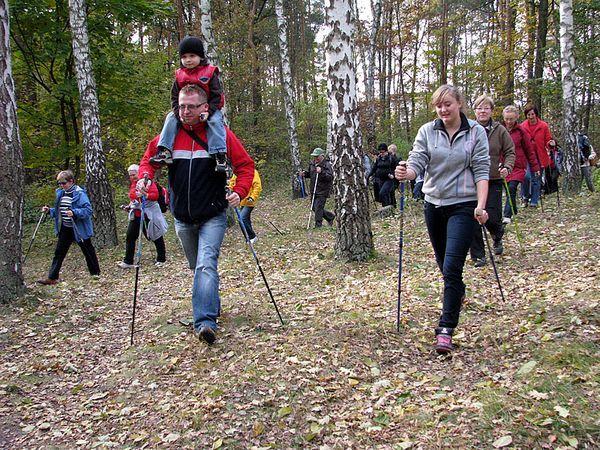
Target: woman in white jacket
<point x="452" y="152"/>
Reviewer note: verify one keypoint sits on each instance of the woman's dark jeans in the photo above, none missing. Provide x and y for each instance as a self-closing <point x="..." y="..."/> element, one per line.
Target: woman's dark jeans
<point x="451" y="230"/>
<point x="133" y="232"/>
<point x="511" y="203"/>
<point x="66" y="237"/>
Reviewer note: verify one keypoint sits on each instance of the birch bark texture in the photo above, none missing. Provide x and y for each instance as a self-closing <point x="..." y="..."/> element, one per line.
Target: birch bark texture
<point x="206" y="28"/>
<point x="11" y="173"/>
<point x="99" y="189"/>
<point x="354" y="239"/>
<point x="210" y="46"/>
<point x="288" y="97"/>
<point x="572" y="179"/>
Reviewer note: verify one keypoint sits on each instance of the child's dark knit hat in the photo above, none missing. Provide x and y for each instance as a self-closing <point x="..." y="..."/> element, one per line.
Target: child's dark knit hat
<point x="191" y="44"/>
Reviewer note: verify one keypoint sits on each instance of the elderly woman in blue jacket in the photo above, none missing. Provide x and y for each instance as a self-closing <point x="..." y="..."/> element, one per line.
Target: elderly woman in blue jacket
<point x="452" y="152"/>
<point x="72" y="215"/>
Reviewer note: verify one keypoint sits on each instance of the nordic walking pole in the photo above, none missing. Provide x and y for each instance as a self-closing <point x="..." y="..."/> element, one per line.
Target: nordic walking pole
<point x="251" y="245"/>
<point x="542" y="183"/>
<point x="514" y="215"/>
<point x="302" y="190"/>
<point x="400" y="251"/>
<point x="138" y="258"/>
<point x="312" y="203"/>
<point x="273" y="225"/>
<point x="489" y="248"/>
<point x="33" y="236"/>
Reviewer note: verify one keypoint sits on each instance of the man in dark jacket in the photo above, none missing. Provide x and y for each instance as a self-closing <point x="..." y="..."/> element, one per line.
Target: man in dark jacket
<point x="383" y="175"/>
<point x="321" y="175"/>
<point x="198" y="201"/>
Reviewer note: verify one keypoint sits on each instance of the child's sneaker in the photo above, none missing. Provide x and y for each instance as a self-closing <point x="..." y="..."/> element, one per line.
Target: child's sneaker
<point x="163" y="156"/>
<point x="443" y="338"/>
<point x="222" y="163"/>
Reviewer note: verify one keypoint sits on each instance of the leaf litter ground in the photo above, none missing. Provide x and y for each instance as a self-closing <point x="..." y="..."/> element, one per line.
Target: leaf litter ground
<point x="337" y="375"/>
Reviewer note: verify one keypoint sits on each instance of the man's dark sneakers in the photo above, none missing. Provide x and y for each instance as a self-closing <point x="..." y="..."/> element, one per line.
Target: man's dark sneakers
<point x="47" y="282"/>
<point x="330" y="222"/>
<point x="163" y="156"/>
<point x="443" y="340"/>
<point x="480" y="262"/>
<point x="207" y="334"/>
<point x="498" y="247"/>
<point x="222" y="163"/>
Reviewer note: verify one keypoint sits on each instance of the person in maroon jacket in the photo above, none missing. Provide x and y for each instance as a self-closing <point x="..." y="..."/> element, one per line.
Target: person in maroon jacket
<point x="135" y="214"/>
<point x="196" y="70"/>
<point x="540" y="136"/>
<point x="524" y="154"/>
<point x="198" y="201"/>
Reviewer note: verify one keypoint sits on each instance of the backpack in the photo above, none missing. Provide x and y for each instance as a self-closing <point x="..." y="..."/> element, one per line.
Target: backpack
<point x="163" y="198"/>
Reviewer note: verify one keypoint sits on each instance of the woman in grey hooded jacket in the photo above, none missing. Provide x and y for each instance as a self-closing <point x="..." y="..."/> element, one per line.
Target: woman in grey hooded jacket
<point x="452" y="152"/>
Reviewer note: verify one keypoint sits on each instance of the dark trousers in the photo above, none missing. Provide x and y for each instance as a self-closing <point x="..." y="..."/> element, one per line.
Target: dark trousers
<point x="66" y="237"/>
<point x="451" y="230"/>
<point x="511" y="199"/>
<point x="386" y="192"/>
<point x="133" y="231"/>
<point x="320" y="211"/>
<point x="376" y="189"/>
<point x="245" y="212"/>
<point x="494" y="225"/>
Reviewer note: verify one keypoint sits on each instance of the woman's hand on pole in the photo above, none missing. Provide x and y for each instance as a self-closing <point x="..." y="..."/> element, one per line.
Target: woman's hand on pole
<point x="403" y="173"/>
<point x="481" y="215"/>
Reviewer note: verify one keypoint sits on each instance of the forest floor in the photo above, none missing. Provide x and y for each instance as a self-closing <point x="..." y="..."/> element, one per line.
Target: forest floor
<point x="337" y="376"/>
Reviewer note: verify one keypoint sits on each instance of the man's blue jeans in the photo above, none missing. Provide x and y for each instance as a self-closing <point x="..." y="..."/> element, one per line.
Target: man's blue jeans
<point x="530" y="189"/>
<point x="215" y="133"/>
<point x="202" y="243"/>
<point x="451" y="230"/>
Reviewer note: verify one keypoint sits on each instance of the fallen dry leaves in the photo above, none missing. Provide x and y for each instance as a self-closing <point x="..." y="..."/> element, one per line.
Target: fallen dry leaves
<point x="337" y="375"/>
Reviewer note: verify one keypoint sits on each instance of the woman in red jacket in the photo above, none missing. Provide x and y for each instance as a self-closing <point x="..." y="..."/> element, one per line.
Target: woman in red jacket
<point x="524" y="154"/>
<point x="135" y="213"/>
<point x="540" y="136"/>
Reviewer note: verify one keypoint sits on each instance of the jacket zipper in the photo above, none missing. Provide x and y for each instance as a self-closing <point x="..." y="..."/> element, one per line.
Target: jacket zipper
<point x="190" y="180"/>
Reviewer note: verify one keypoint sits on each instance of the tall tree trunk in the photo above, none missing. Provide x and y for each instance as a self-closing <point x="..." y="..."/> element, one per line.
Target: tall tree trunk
<point x="98" y="186"/>
<point x="181" y="22"/>
<point x="288" y="97"/>
<point x="572" y="180"/>
<point x="210" y="46"/>
<point x="540" y="54"/>
<point x="11" y="173"/>
<point x="255" y="65"/>
<point x="207" y="32"/>
<point x="370" y="81"/>
<point x="531" y="27"/>
<point x="354" y="239"/>
<point x="444" y="44"/>
<point x="508" y="97"/>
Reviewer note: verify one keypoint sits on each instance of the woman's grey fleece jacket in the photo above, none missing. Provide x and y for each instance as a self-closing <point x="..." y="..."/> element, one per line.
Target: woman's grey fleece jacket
<point x="451" y="170"/>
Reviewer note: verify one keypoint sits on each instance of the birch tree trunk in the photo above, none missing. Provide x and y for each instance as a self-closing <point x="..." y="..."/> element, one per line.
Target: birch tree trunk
<point x="11" y="173"/>
<point x="572" y="178"/>
<point x="99" y="190"/>
<point x="207" y="32"/>
<point x="288" y="97"/>
<point x="354" y="239"/>
<point x="210" y="46"/>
